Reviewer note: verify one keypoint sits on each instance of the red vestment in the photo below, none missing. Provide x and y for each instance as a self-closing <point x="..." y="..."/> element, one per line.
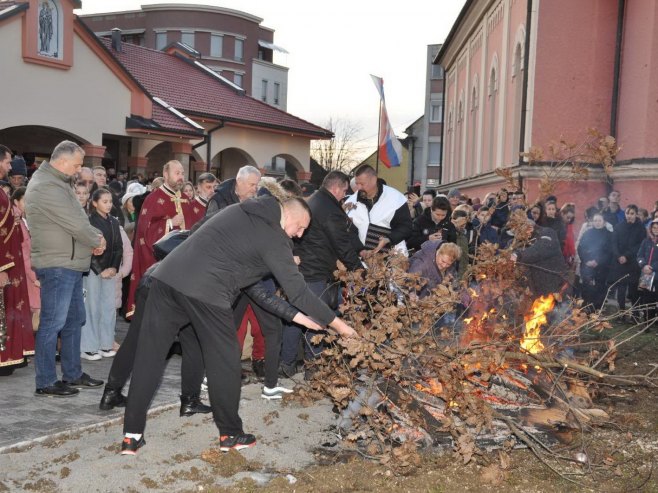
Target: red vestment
<point x="152" y="224"/>
<point x="18" y="318"/>
<point x="199" y="207"/>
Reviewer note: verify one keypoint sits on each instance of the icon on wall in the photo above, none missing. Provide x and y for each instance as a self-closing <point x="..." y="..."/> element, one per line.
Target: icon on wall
<point x="50" y="32"/>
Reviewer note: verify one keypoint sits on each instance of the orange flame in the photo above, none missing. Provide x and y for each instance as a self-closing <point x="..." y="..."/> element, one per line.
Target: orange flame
<point x="533" y="323"/>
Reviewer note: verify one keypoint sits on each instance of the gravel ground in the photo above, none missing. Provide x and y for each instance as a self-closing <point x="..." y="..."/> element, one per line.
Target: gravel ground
<point x="181" y="453"/>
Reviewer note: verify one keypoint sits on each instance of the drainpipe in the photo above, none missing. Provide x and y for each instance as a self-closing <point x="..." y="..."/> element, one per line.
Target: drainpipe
<point x="443" y="122"/>
<point x="617" y="69"/>
<point x="412" y="142"/>
<point x="206" y="142"/>
<point x="524" y="98"/>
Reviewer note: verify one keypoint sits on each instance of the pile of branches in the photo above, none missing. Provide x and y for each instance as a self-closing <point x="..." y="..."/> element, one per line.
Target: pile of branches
<point x="400" y="342"/>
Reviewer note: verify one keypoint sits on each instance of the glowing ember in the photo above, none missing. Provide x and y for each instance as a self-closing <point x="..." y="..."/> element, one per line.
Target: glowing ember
<point x="533" y="323"/>
<point x="468" y="320"/>
<point x="434" y="388"/>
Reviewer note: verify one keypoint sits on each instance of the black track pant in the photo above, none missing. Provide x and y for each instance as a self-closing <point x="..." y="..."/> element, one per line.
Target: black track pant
<point x="122" y="366"/>
<point x="166" y="311"/>
<point x="271" y="327"/>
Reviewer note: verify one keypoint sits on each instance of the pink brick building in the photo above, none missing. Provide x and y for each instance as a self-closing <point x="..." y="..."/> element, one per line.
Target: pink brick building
<point x="523" y="73"/>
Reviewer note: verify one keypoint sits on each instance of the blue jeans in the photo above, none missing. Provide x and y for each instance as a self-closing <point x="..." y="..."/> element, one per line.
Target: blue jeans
<point x="62" y="313"/>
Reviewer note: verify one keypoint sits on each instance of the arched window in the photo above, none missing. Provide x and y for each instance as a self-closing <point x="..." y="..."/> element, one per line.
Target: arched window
<point x="475" y="107"/>
<point x="517" y="81"/>
<point x="459" y="159"/>
<point x="491" y="124"/>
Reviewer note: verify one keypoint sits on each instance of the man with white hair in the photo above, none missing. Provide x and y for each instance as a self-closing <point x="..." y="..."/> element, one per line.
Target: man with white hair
<point x="163" y="210"/>
<point x="235" y="190"/>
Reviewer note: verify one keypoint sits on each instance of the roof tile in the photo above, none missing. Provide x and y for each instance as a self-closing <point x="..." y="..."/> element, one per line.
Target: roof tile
<point x="194" y="92"/>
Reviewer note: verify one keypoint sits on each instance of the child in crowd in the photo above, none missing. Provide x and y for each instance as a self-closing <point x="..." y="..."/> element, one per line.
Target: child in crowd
<point x="97" y="336"/>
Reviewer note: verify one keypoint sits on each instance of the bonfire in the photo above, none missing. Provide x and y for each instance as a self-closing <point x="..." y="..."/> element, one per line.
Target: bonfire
<point x="469" y="368"/>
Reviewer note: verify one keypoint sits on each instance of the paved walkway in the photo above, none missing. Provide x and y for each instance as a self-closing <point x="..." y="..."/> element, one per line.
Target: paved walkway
<point x="25" y="417"/>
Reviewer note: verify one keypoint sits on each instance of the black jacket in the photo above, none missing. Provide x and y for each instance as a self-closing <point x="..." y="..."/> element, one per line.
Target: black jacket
<point x="328" y="238"/>
<point x="596" y="244"/>
<point x="424" y="226"/>
<point x="557" y="225"/>
<point x="223" y="197"/>
<point x="626" y="241"/>
<point x="234" y="250"/>
<point x="113" y="253"/>
<point x="500" y="214"/>
<point x="547" y="270"/>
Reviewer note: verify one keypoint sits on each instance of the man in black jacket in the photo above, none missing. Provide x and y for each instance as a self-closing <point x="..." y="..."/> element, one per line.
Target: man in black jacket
<point x="231" y="251"/>
<point x="329" y="238"/>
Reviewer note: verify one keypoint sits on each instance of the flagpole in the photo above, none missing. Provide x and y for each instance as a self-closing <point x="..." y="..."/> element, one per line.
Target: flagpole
<point x="379" y="129"/>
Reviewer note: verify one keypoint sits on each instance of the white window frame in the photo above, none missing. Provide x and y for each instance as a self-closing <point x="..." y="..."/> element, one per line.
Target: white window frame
<point x="158" y="37"/>
<point x="436" y="111"/>
<point x="277" y="93"/>
<point x="437" y="72"/>
<point x="430" y="146"/>
<point x="263" y="90"/>
<point x="238" y="79"/>
<point x="220" y="38"/>
<point x="188" y="33"/>
<point x="238" y="42"/>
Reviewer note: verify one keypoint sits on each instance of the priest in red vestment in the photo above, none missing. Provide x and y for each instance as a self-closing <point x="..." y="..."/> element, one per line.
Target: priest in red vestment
<point x="17" y="336"/>
<point x="163" y="210"/>
<point x="205" y="188"/>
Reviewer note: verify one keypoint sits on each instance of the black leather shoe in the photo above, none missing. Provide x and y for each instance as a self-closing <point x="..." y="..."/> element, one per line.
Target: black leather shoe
<point x="258" y="365"/>
<point x="84" y="382"/>
<point x="111" y="398"/>
<point x="58" y="389"/>
<point x="190" y="405"/>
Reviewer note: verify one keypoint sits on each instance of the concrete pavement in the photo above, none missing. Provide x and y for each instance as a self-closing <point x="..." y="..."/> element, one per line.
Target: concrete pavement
<point x="25" y="417"/>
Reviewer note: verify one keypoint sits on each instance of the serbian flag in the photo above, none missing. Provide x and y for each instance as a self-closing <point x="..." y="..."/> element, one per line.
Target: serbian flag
<point x="390" y="149"/>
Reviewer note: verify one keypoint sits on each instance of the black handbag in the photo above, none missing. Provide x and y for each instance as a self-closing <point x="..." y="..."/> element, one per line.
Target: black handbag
<point x="165" y="245"/>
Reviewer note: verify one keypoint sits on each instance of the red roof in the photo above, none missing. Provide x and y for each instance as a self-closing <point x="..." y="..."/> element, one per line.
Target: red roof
<point x="194" y="92"/>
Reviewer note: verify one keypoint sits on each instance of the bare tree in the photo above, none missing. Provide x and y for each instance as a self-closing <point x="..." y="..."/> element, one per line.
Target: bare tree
<point x="341" y="152"/>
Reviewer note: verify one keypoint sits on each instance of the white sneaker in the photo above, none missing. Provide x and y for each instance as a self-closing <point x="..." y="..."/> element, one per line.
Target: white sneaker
<point x="275" y="393"/>
<point x="107" y="353"/>
<point x="91" y="356"/>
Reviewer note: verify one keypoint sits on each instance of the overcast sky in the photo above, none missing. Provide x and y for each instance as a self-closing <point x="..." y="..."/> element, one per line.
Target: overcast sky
<point x="335" y="46"/>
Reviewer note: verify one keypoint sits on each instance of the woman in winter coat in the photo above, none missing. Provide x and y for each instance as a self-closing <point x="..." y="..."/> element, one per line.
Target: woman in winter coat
<point x="553" y="220"/>
<point x="435" y="261"/>
<point x="595" y="256"/>
<point x="625" y="272"/>
<point x="647" y="260"/>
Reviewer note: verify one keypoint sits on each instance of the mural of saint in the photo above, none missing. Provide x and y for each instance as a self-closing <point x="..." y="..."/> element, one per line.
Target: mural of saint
<point x="49" y="28"/>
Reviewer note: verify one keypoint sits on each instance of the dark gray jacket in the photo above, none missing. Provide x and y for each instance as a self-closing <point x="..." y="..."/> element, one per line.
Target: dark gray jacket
<point x="547" y="270"/>
<point x="234" y="249"/>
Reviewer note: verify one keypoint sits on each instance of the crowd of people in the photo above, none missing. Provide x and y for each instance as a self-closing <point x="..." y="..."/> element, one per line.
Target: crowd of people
<point x="83" y="244"/>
